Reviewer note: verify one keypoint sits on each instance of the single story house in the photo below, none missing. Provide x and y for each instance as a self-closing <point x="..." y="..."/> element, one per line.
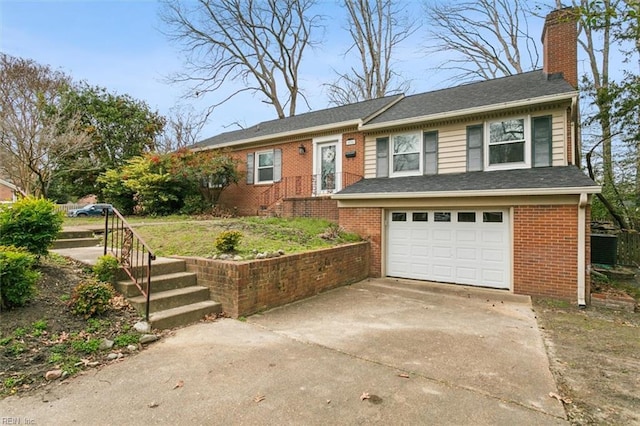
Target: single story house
<point x="477" y="184"/>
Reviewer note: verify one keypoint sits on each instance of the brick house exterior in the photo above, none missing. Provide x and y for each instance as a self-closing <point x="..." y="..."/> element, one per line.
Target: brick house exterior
<point x="476" y="184"/>
<point x="8" y="192"/>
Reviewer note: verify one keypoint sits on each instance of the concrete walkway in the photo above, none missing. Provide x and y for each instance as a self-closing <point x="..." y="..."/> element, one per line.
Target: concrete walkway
<point x="378" y="352"/>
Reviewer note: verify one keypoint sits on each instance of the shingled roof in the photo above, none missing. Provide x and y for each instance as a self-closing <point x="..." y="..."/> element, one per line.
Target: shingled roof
<point x="373" y="113"/>
<point x="520" y="87"/>
<point x="564" y="179"/>
<point x="352" y="114"/>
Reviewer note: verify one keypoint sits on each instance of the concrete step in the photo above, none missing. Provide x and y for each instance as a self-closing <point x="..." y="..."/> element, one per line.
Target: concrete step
<point x="160" y="266"/>
<point x="158" y="283"/>
<point x="66" y="234"/>
<point x="184" y="315"/>
<point x="171" y="298"/>
<point x="66" y="243"/>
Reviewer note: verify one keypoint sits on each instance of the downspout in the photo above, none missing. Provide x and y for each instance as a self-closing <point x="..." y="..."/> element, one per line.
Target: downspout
<point x="582" y="237"/>
<point x="575" y="149"/>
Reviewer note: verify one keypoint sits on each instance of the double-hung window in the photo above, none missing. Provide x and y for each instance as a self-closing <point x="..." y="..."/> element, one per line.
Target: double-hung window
<point x="406" y="154"/>
<point x="264" y="166"/>
<point x="507" y="142"/>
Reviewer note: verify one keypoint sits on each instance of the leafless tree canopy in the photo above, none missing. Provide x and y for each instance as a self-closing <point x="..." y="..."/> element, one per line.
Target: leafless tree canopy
<point x="257" y="43"/>
<point x="33" y="134"/>
<point x="377" y="28"/>
<point x="483" y="39"/>
<point x="182" y="129"/>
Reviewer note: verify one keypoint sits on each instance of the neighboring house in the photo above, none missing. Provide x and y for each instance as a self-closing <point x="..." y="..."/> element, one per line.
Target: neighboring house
<point x="476" y="184"/>
<point x="8" y="192"/>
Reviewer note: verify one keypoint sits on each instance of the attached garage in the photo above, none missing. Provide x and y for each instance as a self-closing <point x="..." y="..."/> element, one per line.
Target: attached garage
<point x="469" y="246"/>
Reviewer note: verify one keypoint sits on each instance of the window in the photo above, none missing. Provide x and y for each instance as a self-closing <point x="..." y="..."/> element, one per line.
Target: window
<point x="541" y="150"/>
<point x="507" y="141"/>
<point x="430" y="142"/>
<point x="442" y="216"/>
<point x="466" y="217"/>
<point x="474" y="148"/>
<point x="492" y="217"/>
<point x="406" y="154"/>
<point x="398" y="217"/>
<point x="264" y="166"/>
<point x="420" y="217"/>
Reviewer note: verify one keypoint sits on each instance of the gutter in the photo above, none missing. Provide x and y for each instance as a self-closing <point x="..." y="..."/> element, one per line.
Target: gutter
<point x="469" y="111"/>
<point x="582" y="236"/>
<point x="582" y="190"/>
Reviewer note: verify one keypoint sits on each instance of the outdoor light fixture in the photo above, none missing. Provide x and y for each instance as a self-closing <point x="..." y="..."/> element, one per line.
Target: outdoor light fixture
<point x="302" y="149"/>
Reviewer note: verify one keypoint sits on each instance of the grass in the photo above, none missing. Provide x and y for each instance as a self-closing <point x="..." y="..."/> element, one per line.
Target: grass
<point x="191" y="236"/>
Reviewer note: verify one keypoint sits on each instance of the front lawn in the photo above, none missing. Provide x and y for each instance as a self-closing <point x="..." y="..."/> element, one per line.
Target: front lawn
<point x="193" y="236"/>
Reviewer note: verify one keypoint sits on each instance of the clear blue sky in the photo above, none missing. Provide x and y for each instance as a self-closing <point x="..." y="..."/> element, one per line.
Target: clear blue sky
<point x="118" y="45"/>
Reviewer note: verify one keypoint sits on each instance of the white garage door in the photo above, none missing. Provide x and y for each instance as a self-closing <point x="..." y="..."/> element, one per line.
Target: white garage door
<point x="454" y="246"/>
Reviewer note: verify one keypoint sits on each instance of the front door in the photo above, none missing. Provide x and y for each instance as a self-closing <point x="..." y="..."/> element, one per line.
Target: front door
<point x="327" y="179"/>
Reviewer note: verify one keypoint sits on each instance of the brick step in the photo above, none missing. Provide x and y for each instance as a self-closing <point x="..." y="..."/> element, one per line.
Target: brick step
<point x="184" y="315"/>
<point x="66" y="243"/>
<point x="159" y="283"/>
<point x="171" y="298"/>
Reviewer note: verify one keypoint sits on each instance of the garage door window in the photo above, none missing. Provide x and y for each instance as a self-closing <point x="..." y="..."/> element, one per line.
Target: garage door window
<point x="420" y="216"/>
<point x="442" y="217"/>
<point x="467" y="217"/>
<point x="398" y="217"/>
<point x="492" y="217"/>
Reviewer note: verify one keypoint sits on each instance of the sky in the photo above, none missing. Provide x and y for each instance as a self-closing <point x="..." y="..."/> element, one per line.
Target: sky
<point x="119" y="45"/>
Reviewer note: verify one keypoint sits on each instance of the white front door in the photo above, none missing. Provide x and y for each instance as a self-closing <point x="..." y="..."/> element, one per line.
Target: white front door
<point x="468" y="246"/>
<point x="327" y="168"/>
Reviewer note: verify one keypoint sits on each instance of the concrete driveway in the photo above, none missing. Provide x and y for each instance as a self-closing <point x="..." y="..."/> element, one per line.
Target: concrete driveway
<point x="381" y="351"/>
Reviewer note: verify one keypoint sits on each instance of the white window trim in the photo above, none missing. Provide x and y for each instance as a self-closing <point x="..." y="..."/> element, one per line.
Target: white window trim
<point x="420" y="155"/>
<point x="526" y="164"/>
<point x="316" y="160"/>
<point x="256" y="175"/>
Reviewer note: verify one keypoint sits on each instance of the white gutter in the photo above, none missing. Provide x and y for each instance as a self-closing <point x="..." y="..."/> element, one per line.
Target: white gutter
<point x="292" y="133"/>
<point x="582" y="218"/>
<point x="469" y="111"/>
<point x="574" y="103"/>
<point x="471" y="193"/>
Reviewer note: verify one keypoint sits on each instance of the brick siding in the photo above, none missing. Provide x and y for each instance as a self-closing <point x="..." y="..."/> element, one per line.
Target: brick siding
<point x="244" y="288"/>
<point x="545" y="252"/>
<point x="366" y="222"/>
<point x="319" y="207"/>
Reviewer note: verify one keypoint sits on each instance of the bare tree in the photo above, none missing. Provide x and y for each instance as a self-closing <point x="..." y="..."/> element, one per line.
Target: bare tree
<point x="377" y="28"/>
<point x="483" y="39"/>
<point x="33" y="134"/>
<point x="257" y="43"/>
<point x="182" y="130"/>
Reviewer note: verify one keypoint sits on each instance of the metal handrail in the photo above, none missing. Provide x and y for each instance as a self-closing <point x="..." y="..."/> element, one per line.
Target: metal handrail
<point x="133" y="253"/>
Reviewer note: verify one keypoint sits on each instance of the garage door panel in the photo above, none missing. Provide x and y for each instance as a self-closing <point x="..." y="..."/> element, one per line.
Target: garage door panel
<point x="470" y="251"/>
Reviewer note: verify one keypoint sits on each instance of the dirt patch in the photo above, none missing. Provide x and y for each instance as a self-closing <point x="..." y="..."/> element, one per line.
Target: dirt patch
<point x="45" y="335"/>
<point x="595" y="359"/>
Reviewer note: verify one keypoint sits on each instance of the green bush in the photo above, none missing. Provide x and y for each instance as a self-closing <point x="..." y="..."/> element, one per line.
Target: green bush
<point x="32" y="223"/>
<point x="17" y="278"/>
<point x="106" y="268"/>
<point x="227" y="241"/>
<point x="90" y="298"/>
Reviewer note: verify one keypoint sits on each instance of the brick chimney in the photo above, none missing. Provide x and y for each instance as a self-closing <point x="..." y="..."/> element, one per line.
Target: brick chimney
<point x="560" y="44"/>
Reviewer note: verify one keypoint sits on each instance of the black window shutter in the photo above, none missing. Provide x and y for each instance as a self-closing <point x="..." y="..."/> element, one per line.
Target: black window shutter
<point x="250" y="167"/>
<point x="541" y="146"/>
<point x="382" y="157"/>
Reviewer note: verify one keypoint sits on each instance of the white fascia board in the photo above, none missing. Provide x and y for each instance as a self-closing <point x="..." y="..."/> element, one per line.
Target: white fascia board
<point x="480" y="193"/>
<point x="470" y="111"/>
<point x="8" y="184"/>
<point x="303" y="131"/>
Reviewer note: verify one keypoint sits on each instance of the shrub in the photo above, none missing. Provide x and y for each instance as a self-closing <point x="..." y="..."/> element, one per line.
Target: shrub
<point x="227" y="241"/>
<point x="90" y="298"/>
<point x="32" y="223"/>
<point x="106" y="268"/>
<point x="17" y="277"/>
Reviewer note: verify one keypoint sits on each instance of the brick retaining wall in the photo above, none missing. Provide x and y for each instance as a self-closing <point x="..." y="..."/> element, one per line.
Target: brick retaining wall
<point x="247" y="287"/>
